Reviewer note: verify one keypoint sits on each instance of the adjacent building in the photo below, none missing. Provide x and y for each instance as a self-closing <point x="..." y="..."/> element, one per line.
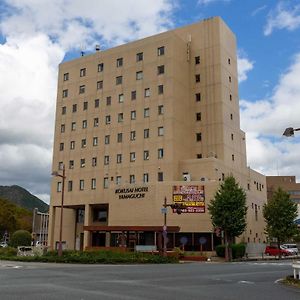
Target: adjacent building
<point x="152" y="119"/>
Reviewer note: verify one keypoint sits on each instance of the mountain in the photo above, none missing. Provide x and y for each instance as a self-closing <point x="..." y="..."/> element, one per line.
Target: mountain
<point x="22" y="197"/>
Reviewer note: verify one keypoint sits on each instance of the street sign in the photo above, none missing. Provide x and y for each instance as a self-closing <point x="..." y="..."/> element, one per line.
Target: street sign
<point x="183" y="240"/>
<point x="164" y="210"/>
<point x="202" y="240"/>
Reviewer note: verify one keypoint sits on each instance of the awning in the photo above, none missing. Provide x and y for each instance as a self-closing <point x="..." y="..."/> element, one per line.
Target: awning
<point x="131" y="228"/>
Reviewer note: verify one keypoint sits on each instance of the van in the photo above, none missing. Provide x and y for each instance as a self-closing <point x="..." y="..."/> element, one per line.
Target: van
<point x="291" y="248"/>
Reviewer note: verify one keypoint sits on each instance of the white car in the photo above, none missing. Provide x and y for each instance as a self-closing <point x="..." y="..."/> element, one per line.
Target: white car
<point x="3" y="245"/>
<point x="291" y="248"/>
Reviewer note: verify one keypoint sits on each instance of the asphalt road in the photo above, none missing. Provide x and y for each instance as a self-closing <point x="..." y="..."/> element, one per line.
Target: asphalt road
<point x="252" y="280"/>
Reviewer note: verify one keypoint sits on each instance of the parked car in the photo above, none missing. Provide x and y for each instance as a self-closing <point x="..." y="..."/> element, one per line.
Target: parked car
<point x="273" y="250"/>
<point x="291" y="248"/>
<point x="3" y="245"/>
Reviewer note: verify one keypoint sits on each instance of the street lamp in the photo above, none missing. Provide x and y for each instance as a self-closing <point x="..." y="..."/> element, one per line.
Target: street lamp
<point x="290" y="131"/>
<point x="63" y="176"/>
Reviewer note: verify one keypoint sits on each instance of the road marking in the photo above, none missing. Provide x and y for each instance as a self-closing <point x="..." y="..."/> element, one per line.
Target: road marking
<point x="246" y="282"/>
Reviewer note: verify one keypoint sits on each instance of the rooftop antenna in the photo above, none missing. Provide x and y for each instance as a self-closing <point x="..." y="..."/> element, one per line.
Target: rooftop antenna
<point x="82" y="49"/>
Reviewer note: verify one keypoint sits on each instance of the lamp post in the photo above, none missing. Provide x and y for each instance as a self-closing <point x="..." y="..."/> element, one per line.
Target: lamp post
<point x="290" y="131"/>
<point x="63" y="176"/>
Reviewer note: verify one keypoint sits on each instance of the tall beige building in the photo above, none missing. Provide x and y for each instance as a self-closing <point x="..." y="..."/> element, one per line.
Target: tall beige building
<point x="154" y="118"/>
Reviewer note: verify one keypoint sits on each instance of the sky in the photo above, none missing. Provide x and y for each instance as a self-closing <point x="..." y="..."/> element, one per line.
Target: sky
<point x="37" y="35"/>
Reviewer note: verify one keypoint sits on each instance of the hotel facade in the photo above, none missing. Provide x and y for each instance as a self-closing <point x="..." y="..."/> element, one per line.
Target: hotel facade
<point x="152" y="119"/>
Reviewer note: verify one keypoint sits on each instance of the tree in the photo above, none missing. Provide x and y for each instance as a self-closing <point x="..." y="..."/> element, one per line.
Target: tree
<point x="20" y="238"/>
<point x="228" y="211"/>
<point x="280" y="213"/>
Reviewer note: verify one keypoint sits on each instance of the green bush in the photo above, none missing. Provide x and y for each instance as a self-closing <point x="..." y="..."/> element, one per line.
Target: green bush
<point x="8" y="251"/>
<point x="20" y="238"/>
<point x="238" y="250"/>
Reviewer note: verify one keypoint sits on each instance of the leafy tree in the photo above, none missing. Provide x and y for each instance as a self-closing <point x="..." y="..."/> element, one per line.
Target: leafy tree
<point x="20" y="238"/>
<point x="280" y="213"/>
<point x="228" y="211"/>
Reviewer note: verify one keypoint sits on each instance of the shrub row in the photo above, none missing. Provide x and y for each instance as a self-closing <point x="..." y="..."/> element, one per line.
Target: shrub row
<point x="238" y="250"/>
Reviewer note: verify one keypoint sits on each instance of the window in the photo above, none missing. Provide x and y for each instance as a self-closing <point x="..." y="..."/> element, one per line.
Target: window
<point x="85" y="105"/>
<point x="133" y="115"/>
<point x="232" y="136"/>
<point x="147" y="92"/>
<point x="232" y="157"/>
<point x="82" y="162"/>
<point x="61" y="147"/>
<point x="132" y="135"/>
<point x="198" y="136"/>
<point x="83" y="143"/>
<point x="160" y="51"/>
<point x="146" y="112"/>
<point x="229" y="78"/>
<point x="71" y="164"/>
<point x="120" y="62"/>
<point x="146" y="133"/>
<point x="63" y="110"/>
<point x="231" y="116"/>
<point x="118" y="180"/>
<point x="160" y="109"/>
<point x="70" y="186"/>
<point x="74" y="108"/>
<point x="100" y="85"/>
<point x="160" y="153"/>
<point x="197" y="77"/>
<point x="100" y="67"/>
<point x="198" y="116"/>
<point x="81" y="184"/>
<point x="107" y="139"/>
<point x="59" y="186"/>
<point x="197" y="60"/>
<point x="145" y="177"/>
<point x="120" y="137"/>
<point x="133" y="95"/>
<point x="97" y="102"/>
<point x="106" y="159"/>
<point x="199" y="155"/>
<point x="160" y="69"/>
<point x="62" y="128"/>
<point x="119" y="158"/>
<point x="107" y="119"/>
<point x="139" y="75"/>
<point x="108" y="100"/>
<point x="93" y="183"/>
<point x="94" y="161"/>
<point x="82" y="72"/>
<point x="72" y="145"/>
<point x="84" y="124"/>
<point x="146" y="154"/>
<point x="160" y="131"/>
<point x="229" y="61"/>
<point x="198" y="97"/>
<point x="121" y="98"/>
<point x="96" y="122"/>
<point x="119" y="80"/>
<point x="120" y="117"/>
<point x="160" y="89"/>
<point x="131" y="178"/>
<point x="60" y="165"/>
<point x="132" y="156"/>
<point x="230" y="97"/>
<point x="66" y="76"/>
<point x="105" y="182"/>
<point x="82" y="89"/>
<point x="95" y="141"/>
<point x="65" y="93"/>
<point x="73" y="126"/>
<point x="160" y="176"/>
<point x="139" y="56"/>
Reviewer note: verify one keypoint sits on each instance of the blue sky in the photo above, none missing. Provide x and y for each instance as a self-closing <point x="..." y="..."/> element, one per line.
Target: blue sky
<point x="36" y="35"/>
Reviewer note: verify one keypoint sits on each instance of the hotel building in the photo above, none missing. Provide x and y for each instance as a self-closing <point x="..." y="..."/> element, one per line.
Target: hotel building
<point x="152" y="119"/>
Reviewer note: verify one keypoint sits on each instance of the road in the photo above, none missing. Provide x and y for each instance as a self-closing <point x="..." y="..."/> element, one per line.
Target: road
<point x="246" y="280"/>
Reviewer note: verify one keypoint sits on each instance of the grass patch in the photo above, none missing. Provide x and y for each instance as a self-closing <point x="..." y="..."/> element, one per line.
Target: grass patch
<point x="289" y="280"/>
<point x="94" y="257"/>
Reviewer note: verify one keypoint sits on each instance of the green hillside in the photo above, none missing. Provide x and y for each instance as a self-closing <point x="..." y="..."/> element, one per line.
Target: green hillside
<point x="23" y="198"/>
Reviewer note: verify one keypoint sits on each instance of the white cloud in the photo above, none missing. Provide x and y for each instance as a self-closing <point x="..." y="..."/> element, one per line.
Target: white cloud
<point x="207" y="2"/>
<point x="265" y="120"/>
<point x="244" y="66"/>
<point x="258" y="10"/>
<point x="37" y="36"/>
<point x="283" y="18"/>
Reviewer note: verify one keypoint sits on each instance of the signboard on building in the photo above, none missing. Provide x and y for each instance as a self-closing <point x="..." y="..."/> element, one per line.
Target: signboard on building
<point x="190" y="197"/>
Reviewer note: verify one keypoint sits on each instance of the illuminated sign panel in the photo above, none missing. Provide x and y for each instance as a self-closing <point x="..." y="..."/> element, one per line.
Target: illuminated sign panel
<point x="191" y="197"/>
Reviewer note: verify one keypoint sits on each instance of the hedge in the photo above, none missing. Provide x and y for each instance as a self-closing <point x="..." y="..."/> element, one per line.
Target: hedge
<point x="238" y="250"/>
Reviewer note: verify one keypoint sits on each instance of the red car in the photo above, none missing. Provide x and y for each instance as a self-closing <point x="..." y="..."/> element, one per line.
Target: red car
<point x="274" y="251"/>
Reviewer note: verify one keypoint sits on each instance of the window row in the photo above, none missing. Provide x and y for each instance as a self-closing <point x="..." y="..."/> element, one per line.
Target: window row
<point x="119" y="80"/>
<point x="119" y="63"/>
